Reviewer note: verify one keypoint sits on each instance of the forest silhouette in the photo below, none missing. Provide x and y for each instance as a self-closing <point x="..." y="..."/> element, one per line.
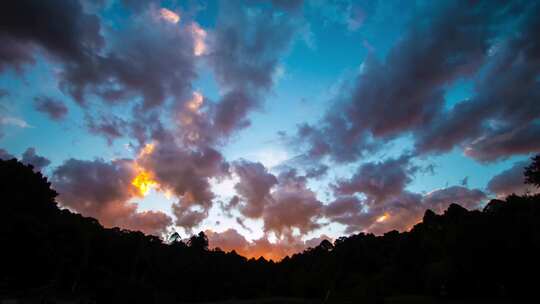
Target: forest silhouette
<point x="53" y="253"/>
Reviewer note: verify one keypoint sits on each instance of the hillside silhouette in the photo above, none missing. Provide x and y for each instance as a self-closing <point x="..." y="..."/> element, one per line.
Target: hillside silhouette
<point x="51" y="253"/>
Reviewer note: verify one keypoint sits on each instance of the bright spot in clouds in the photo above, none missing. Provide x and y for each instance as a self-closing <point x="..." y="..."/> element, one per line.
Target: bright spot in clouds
<point x="169" y="15"/>
<point x="199" y="36"/>
<point x="196" y="102"/>
<point x="382" y="218"/>
<point x="144" y="180"/>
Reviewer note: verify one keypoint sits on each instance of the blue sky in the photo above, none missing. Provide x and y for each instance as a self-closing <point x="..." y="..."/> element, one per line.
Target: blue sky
<point x="351" y="72"/>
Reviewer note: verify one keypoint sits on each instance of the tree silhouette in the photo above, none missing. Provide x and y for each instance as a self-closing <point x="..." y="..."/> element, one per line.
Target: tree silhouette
<point x="50" y="252"/>
<point x="199" y="242"/>
<point x="532" y="172"/>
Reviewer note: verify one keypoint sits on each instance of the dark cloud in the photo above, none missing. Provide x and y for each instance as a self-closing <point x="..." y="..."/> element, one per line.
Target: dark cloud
<point x="150" y="222"/>
<point x="501" y="118"/>
<point x="254" y="187"/>
<point x="110" y="126"/>
<point x="231" y="111"/>
<point x="510" y="181"/>
<point x="398" y="94"/>
<point x="380" y="180"/>
<point x="400" y="211"/>
<point x="61" y="28"/>
<point x="349" y="211"/>
<point x="459" y="40"/>
<point x="334" y="137"/>
<point x="148" y="61"/>
<point x="503" y="143"/>
<point x="284" y="203"/>
<point x="294" y="205"/>
<point x="439" y="200"/>
<point x="387" y="204"/>
<point x="103" y="190"/>
<point x="149" y="58"/>
<point x="245" y="54"/>
<point x="55" y="109"/>
<point x="29" y="157"/>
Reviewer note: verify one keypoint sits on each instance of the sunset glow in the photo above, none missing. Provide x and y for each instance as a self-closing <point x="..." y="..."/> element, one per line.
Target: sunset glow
<point x="383" y="218"/>
<point x="144" y="182"/>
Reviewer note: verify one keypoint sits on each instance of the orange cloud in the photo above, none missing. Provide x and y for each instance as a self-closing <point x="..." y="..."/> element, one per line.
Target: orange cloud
<point x="144" y="180"/>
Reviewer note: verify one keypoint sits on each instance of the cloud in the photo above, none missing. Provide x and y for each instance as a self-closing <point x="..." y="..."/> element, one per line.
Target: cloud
<point x="145" y="64"/>
<point x="110" y="126"/>
<point x="387" y="204"/>
<point x="293" y="205"/>
<point x="499" y="120"/>
<point x="510" y="181"/>
<point x="503" y="143"/>
<point x="378" y="180"/>
<point x="439" y="200"/>
<point x="400" y="211"/>
<point x="14" y="121"/>
<point x="103" y="190"/>
<point x="245" y="52"/>
<point x="53" y="108"/>
<point x="7" y="120"/>
<point x="488" y="125"/>
<point x="414" y="92"/>
<point x="5" y="155"/>
<point x="31" y="25"/>
<point x="152" y="62"/>
<point x="254" y="187"/>
<point x="29" y="157"/>
<point x="186" y="174"/>
<point x="284" y="203"/>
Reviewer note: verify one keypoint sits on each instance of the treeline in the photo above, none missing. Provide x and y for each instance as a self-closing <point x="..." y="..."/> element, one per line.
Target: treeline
<point x="54" y="253"/>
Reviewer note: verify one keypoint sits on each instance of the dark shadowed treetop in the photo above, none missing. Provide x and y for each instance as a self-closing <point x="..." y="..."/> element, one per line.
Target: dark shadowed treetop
<point x="532" y="172"/>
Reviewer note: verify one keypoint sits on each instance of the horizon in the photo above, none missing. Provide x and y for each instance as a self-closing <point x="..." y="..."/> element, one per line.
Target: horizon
<point x="271" y="125"/>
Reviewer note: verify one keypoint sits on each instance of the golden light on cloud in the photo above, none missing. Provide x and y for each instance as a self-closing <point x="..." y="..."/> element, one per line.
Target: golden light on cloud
<point x="199" y="37"/>
<point x="169" y="15"/>
<point x="147" y="150"/>
<point x="144" y="180"/>
<point x="382" y="218"/>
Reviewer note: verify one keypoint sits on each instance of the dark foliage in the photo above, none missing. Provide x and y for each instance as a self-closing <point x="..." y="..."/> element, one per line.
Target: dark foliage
<point x="459" y="254"/>
<point x="532" y="172"/>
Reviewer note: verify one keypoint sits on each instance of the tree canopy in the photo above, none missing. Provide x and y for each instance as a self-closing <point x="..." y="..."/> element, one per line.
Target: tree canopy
<point x="489" y="253"/>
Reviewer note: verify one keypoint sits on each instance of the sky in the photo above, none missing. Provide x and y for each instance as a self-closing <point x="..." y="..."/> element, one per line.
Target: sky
<point x="271" y="125"/>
